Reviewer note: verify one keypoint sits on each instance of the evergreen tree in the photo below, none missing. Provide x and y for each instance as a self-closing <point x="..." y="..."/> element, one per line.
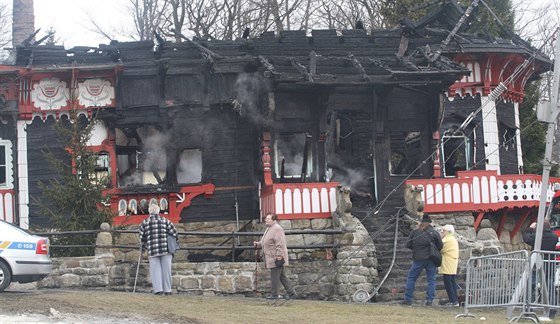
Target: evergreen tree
<point x="73" y="199"/>
<point x="484" y="20"/>
<point x="533" y="133"/>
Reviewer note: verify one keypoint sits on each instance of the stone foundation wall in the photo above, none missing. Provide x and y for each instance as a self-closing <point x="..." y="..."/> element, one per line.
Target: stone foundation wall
<point x="315" y="273"/>
<point x="471" y="243"/>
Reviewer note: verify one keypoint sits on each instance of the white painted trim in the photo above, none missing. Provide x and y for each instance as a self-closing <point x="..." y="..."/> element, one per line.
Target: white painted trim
<point x="23" y="175"/>
<point x="518" y="137"/>
<point x="491" y="134"/>
<point x="9" y="158"/>
<point x="99" y="133"/>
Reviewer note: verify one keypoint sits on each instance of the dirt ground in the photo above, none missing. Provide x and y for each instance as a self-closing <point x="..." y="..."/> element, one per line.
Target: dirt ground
<point x="75" y="306"/>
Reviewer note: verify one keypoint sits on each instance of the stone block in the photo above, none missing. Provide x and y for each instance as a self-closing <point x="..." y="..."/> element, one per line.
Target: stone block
<point x="321" y="223"/>
<point x="486" y="234"/>
<point x="94" y="281"/>
<point x="208" y="282"/>
<point x="314" y="239"/>
<point x="301" y="224"/>
<point x="354" y="279"/>
<point x="225" y="284"/>
<point x="190" y="283"/>
<point x="68" y="281"/>
<point x="243" y="284"/>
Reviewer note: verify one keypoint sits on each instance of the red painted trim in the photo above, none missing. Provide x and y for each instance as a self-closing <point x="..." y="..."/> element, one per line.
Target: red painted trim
<point x="177" y="202"/>
<point x="4" y="210"/>
<point x="437" y="199"/>
<point x="503" y="219"/>
<point x="478" y="220"/>
<point x="437" y="165"/>
<point x="495" y="68"/>
<point x="519" y="223"/>
<point x="30" y="77"/>
<point x="268" y="200"/>
<point x="266" y="159"/>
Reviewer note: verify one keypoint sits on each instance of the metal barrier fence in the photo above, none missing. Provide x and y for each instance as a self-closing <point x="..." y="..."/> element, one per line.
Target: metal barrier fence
<point x="544" y="283"/>
<point x="512" y="280"/>
<point x="495" y="280"/>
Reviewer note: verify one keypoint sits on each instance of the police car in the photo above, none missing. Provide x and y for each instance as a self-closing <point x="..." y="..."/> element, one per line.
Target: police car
<point x="23" y="257"/>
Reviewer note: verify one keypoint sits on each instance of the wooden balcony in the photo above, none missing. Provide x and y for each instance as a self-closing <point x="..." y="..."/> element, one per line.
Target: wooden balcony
<point x="481" y="191"/>
<point x="299" y="200"/>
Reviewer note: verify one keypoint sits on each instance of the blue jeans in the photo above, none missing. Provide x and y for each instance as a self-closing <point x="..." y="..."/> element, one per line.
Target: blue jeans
<point x="450" y="287"/>
<point x="414" y="273"/>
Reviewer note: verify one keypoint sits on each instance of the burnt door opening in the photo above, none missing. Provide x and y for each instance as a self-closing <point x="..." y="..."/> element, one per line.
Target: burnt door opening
<point x="293" y="157"/>
<point x="455" y="153"/>
<point x="141" y="156"/>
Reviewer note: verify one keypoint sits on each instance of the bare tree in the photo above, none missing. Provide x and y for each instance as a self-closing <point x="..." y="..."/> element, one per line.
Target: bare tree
<point x="174" y="19"/>
<point x="148" y="16"/>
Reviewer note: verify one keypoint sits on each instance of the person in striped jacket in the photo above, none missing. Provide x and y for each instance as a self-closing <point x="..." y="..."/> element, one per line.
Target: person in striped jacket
<point x="154" y="232"/>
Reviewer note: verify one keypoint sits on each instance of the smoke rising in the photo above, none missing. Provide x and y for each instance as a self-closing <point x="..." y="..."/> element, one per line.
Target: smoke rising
<point x="247" y="88"/>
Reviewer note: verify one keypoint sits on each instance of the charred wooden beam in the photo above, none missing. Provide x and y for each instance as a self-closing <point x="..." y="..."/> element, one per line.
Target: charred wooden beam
<point x="313" y="62"/>
<point x="331" y="131"/>
<point x="302" y="69"/>
<point x="403" y="45"/>
<point x="380" y="64"/>
<point x="306" y="149"/>
<point x="406" y="63"/>
<point x="29" y="38"/>
<point x="267" y="65"/>
<point x="359" y="66"/>
<point x="197" y="45"/>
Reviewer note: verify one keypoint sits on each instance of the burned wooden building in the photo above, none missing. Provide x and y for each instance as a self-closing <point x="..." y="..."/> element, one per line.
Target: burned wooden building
<point x="228" y="130"/>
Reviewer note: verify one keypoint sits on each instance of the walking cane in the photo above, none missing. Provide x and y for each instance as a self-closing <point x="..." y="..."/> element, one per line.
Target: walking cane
<point x="137" y="268"/>
<point x="256" y="271"/>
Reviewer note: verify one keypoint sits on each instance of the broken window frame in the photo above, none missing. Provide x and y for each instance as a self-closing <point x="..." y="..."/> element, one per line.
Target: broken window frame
<point x="306" y="151"/>
<point x="451" y="135"/>
<point x="5" y="167"/>
<point x="131" y="157"/>
<point x="96" y="176"/>
<point x="198" y="162"/>
<point x="508" y="136"/>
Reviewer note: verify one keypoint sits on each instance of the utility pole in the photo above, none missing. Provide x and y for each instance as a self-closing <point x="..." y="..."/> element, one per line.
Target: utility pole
<point x="549" y="115"/>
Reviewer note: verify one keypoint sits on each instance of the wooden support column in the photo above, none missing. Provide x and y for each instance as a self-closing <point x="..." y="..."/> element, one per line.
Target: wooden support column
<point x="266" y="159"/>
<point x="478" y="220"/>
<point x="437" y="163"/>
<point x="503" y="219"/>
<point x="519" y="223"/>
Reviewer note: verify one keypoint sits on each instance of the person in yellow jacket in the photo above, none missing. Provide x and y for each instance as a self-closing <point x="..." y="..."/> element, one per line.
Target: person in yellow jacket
<point x="450" y="262"/>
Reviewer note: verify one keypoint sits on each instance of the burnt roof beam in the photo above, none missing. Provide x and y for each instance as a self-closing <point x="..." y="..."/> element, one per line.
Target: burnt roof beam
<point x="302" y="70"/>
<point x="270" y="70"/>
<point x="359" y="66"/>
<point x="203" y="49"/>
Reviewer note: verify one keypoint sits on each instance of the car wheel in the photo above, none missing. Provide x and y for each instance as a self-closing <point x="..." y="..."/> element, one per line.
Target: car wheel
<point x="5" y="276"/>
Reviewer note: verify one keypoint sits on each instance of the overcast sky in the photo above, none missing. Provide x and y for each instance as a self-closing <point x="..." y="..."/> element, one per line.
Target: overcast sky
<point x="70" y="19"/>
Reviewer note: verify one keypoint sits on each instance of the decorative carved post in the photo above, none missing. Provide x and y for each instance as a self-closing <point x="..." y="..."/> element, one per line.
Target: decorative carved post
<point x="267" y="171"/>
<point x="437" y="165"/>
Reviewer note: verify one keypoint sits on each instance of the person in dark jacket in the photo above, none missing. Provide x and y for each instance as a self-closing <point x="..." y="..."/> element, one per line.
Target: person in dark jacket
<point x="154" y="232"/>
<point x="419" y="241"/>
<point x="548" y="243"/>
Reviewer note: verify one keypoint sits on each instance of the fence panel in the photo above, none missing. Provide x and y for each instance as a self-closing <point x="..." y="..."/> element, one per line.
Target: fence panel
<point x="496" y="280"/>
<point x="544" y="282"/>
